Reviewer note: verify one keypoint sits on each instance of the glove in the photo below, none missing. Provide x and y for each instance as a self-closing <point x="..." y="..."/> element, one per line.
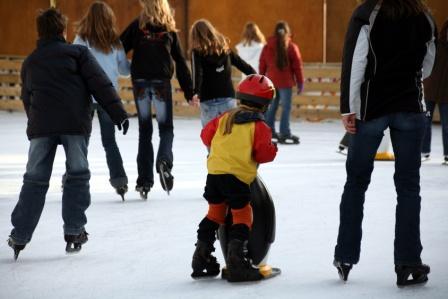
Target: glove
<point x="299" y="88"/>
<point x="125" y="125"/>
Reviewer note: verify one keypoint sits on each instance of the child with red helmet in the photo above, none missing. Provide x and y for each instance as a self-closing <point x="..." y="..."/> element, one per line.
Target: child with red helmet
<point x="238" y="141"/>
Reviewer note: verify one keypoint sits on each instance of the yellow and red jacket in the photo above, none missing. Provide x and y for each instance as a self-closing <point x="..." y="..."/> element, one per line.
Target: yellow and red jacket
<point x="239" y="152"/>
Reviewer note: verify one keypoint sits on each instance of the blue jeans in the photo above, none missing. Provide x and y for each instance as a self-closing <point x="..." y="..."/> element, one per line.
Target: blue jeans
<point x="146" y="94"/>
<point x="76" y="194"/>
<point x="283" y="97"/>
<point x="117" y="174"/>
<point x="443" y="109"/>
<point x="406" y="132"/>
<point x="215" y="107"/>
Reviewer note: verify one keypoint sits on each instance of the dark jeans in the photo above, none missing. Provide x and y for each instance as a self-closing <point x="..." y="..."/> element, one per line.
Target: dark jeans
<point x="283" y="97"/>
<point x="443" y="109"/>
<point x="117" y="174"/>
<point x="76" y="194"/>
<point x="406" y="132"/>
<point x="158" y="93"/>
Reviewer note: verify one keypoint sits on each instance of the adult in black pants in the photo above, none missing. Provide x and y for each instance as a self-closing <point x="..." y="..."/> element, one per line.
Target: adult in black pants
<point x="389" y="50"/>
<point x="153" y="38"/>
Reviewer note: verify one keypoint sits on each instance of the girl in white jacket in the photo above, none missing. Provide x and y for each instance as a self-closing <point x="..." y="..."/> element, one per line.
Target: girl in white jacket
<point x="249" y="49"/>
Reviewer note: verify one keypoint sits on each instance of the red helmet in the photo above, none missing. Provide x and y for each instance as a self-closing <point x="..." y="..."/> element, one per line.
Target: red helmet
<point x="257" y="89"/>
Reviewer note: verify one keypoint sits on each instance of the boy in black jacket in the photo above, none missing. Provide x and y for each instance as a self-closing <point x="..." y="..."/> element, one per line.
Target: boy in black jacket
<point x="58" y="81"/>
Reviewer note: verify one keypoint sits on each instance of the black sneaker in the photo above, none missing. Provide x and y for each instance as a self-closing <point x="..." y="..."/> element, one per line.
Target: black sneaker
<point x="239" y="266"/>
<point x="204" y="264"/>
<point x="74" y="242"/>
<point x="166" y="178"/>
<point x="16" y="247"/>
<point x="419" y="274"/>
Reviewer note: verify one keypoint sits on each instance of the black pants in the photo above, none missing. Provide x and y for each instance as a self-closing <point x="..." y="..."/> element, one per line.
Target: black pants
<point x="224" y="188"/>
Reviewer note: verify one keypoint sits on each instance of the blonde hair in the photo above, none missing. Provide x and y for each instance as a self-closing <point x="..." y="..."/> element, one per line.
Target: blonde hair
<point x="205" y="39"/>
<point x="98" y="27"/>
<point x="252" y="33"/>
<point x="157" y="13"/>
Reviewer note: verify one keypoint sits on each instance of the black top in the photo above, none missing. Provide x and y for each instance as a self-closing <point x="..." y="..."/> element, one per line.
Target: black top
<point x="385" y="61"/>
<point x="58" y="80"/>
<point x="212" y="74"/>
<point x="154" y="51"/>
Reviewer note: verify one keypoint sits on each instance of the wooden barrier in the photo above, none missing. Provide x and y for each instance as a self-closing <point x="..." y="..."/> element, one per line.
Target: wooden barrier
<point x="318" y="101"/>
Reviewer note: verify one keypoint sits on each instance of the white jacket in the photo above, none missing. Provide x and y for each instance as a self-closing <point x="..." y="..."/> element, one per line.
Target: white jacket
<point x="250" y="54"/>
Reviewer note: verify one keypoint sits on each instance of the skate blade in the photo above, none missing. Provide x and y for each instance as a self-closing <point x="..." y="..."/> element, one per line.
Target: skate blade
<point x="413" y="282"/>
<point x="144" y="195"/>
<point x="72" y="248"/>
<point x="164" y="184"/>
<point x="341" y="152"/>
<point x="204" y="275"/>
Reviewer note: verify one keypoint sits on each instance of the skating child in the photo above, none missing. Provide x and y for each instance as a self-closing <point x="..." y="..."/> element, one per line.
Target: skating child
<point x="58" y="81"/>
<point x="212" y="62"/>
<point x="238" y="140"/>
<point x="155" y="44"/>
<point x="97" y="30"/>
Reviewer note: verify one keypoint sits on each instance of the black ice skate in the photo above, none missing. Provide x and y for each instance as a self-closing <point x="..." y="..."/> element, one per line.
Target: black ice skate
<point x="143" y="190"/>
<point x="419" y="274"/>
<point x="204" y="264"/>
<point x="239" y="267"/>
<point x="288" y="139"/>
<point x="17" y="247"/>
<point x="445" y="160"/>
<point x="274" y="137"/>
<point x="122" y="191"/>
<point x="342" y="149"/>
<point x="74" y="242"/>
<point x="343" y="269"/>
<point x="166" y="179"/>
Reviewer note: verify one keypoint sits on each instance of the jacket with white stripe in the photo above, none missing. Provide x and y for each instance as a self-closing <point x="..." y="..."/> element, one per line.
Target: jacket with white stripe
<point x="385" y="61"/>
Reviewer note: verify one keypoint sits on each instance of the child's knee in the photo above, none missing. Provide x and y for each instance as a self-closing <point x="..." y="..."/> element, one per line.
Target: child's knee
<point x="243" y="215"/>
<point x="217" y="212"/>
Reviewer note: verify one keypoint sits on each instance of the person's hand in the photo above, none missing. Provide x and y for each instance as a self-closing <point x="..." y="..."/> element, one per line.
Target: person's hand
<point x="299" y="88"/>
<point x="349" y="122"/>
<point x="194" y="101"/>
<point x="125" y="125"/>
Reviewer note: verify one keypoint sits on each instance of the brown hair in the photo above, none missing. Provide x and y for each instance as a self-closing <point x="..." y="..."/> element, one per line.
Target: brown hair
<point x="282" y="33"/>
<point x="242" y="107"/>
<point x="50" y="23"/>
<point x="157" y="13"/>
<point x="205" y="39"/>
<point x="403" y="8"/>
<point x="252" y="33"/>
<point x="98" y="27"/>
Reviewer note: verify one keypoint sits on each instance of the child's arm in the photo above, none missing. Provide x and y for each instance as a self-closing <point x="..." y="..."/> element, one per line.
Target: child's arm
<point x="297" y="64"/>
<point x="262" y="68"/>
<point x="196" y="67"/>
<point x="127" y="37"/>
<point x="209" y="131"/>
<point x="25" y="94"/>
<point x="124" y="68"/>
<point x="263" y="149"/>
<point x="240" y="64"/>
<point x="182" y="72"/>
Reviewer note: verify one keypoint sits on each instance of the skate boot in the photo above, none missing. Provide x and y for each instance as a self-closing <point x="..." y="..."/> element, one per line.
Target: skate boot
<point x="445" y="160"/>
<point x="143" y="190"/>
<point x="122" y="191"/>
<point x="288" y="139"/>
<point x="239" y="267"/>
<point x="419" y="274"/>
<point x="425" y="157"/>
<point x="342" y="149"/>
<point x="204" y="264"/>
<point x="16" y="247"/>
<point x="74" y="242"/>
<point x="274" y="137"/>
<point x="343" y="269"/>
<point x="166" y="179"/>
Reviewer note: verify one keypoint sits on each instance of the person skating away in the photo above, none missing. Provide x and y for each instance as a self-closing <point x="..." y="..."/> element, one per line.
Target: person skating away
<point x="155" y="43"/>
<point x="251" y="45"/>
<point x="239" y="140"/>
<point x="436" y="93"/>
<point x="212" y="62"/>
<point x="58" y="82"/>
<point x="97" y="30"/>
<point x="388" y="51"/>
<point x="281" y="61"/>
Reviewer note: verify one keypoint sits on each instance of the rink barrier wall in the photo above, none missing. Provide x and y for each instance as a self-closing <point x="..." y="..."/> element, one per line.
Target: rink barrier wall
<point x="318" y="101"/>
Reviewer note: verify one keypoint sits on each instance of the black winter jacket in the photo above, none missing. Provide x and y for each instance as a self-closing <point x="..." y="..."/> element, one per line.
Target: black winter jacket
<point x="58" y="80"/>
<point x="385" y="61"/>
<point x="212" y="74"/>
<point x="154" y="51"/>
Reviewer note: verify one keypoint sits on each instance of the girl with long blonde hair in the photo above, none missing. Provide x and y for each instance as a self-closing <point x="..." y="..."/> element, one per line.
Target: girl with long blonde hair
<point x="212" y="61"/>
<point x="251" y="45"/>
<point x="153" y="38"/>
<point x="97" y="30"/>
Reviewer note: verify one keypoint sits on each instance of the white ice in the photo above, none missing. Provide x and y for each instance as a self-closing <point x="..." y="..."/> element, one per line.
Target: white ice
<point x="143" y="249"/>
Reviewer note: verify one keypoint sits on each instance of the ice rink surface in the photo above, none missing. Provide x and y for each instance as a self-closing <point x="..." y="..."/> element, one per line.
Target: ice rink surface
<point x="143" y="249"/>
